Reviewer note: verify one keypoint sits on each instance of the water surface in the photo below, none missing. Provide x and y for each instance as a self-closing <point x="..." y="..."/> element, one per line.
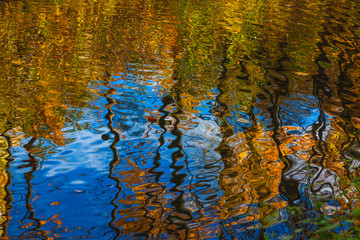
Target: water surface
<point x="179" y="119"/>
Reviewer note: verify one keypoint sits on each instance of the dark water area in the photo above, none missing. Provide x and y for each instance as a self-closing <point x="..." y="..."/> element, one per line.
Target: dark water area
<point x="179" y="119"/>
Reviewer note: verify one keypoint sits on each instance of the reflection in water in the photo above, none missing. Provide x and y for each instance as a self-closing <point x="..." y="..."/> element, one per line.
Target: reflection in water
<point x="179" y="119"/>
<point x="109" y="116"/>
<point x="5" y="181"/>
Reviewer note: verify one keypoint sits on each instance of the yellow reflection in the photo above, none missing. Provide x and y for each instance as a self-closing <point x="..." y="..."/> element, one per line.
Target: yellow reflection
<point x="4" y="146"/>
<point x="252" y="175"/>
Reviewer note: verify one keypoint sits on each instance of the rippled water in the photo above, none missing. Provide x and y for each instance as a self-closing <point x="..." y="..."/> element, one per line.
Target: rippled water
<point x="179" y="119"/>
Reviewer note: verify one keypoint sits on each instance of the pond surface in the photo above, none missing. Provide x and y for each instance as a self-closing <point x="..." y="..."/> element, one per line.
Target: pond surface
<point x="180" y="119"/>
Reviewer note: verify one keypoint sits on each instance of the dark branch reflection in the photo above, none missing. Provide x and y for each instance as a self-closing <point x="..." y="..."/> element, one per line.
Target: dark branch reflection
<point x="109" y="116"/>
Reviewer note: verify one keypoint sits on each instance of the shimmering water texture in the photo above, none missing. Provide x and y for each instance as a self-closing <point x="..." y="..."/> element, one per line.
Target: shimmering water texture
<point x="180" y="119"/>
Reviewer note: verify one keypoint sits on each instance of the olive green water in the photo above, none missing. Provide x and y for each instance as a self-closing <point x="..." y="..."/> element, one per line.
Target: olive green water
<point x="179" y="119"/>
